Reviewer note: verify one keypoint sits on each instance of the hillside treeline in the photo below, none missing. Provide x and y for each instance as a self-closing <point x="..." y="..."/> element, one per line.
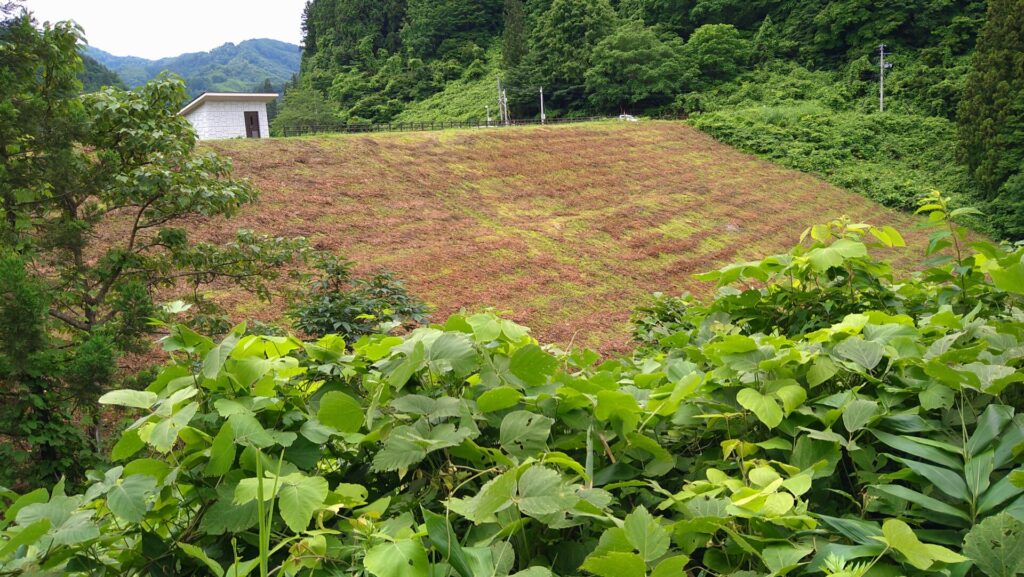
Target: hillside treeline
<point x="372" y="59"/>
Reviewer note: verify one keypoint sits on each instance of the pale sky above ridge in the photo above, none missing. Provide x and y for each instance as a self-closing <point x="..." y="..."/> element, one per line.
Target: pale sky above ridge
<point x="156" y="29"/>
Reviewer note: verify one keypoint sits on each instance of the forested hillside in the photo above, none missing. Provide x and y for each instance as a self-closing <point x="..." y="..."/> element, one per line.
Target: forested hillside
<point x="797" y="82"/>
<point x="94" y="75"/>
<point x="371" y="59"/>
<point x="228" y="68"/>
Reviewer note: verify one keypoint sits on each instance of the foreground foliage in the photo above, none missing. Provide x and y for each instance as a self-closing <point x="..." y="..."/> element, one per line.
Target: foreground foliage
<point x="833" y="421"/>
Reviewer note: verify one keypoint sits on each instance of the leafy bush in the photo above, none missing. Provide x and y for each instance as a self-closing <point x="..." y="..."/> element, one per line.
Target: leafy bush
<point x="339" y="303"/>
<point x="303" y="107"/>
<point x="890" y="158"/>
<point x="836" y="420"/>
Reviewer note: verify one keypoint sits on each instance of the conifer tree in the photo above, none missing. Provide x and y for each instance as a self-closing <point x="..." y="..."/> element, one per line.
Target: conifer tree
<point x="766" y="42"/>
<point x="991" y="114"/>
<point x="514" y="37"/>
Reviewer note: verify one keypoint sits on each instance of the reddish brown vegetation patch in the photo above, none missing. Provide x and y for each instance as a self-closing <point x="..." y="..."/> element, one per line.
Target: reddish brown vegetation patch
<point x="566" y="228"/>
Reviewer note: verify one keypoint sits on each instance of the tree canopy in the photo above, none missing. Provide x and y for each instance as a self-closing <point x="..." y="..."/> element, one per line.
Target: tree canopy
<point x="95" y="191"/>
<point x="633" y="67"/>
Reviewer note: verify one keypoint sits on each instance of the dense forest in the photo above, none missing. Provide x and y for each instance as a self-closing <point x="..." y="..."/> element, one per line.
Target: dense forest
<point x="371" y="60"/>
<point x="797" y="82"/>
<point x="227" y="68"/>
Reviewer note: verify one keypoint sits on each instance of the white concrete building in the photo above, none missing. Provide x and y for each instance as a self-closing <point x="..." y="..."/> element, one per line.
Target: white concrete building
<point x="229" y="115"/>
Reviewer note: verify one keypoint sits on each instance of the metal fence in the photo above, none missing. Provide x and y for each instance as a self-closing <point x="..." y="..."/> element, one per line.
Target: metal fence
<point x="440" y="125"/>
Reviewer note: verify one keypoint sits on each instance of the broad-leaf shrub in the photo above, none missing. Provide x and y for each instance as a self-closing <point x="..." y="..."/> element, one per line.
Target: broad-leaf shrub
<point x="818" y="416"/>
<point x="340" y="303"/>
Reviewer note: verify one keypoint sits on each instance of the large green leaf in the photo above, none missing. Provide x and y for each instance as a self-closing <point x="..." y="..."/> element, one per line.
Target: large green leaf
<point x="826" y="257"/>
<point x="26" y="535"/>
<point x="763" y="406"/>
<point x="781" y="559"/>
<point x="398" y="453"/>
<point x="247" y="430"/>
<point x="525" y="434"/>
<point x="901" y="537"/>
<point x="129" y="398"/>
<point x="945" y="480"/>
<point x="867" y="354"/>
<point x="78" y="528"/>
<point x="619" y="406"/>
<point x="495" y="495"/>
<point x="198" y="554"/>
<point x="990" y="424"/>
<point x="1009" y="279"/>
<point x="822" y="370"/>
<point x="1000" y="492"/>
<point x="485" y="327"/>
<point x="996" y="545"/>
<point x="404" y="558"/>
<point x="341" y="412"/>
<point x="616" y="564"/>
<point x="646" y="534"/>
<point x="222" y="452"/>
<point x="129" y="444"/>
<point x="215" y="358"/>
<point x="225" y="516"/>
<point x="672" y="566"/>
<point x="498" y="399"/>
<point x="918" y="449"/>
<point x="923" y="500"/>
<point x="164" y="433"/>
<point x="856" y="530"/>
<point x="532" y="365"/>
<point x="541" y="491"/>
<point x="299" y="497"/>
<point x="792" y="396"/>
<point x="241" y="568"/>
<point x="127" y="498"/>
<point x="443" y="538"/>
<point x="454" y="352"/>
<point x="978" y="471"/>
<point x="859" y="413"/>
<point x="535" y="572"/>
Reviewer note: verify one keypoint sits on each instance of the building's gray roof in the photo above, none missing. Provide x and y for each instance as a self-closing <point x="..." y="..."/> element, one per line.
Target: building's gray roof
<point x="226" y="96"/>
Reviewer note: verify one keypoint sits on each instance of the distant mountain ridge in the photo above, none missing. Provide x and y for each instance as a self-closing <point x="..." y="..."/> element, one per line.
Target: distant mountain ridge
<point x="227" y="68"/>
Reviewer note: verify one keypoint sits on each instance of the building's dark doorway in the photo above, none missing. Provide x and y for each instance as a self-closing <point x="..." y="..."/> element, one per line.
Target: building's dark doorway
<point x="252" y="124"/>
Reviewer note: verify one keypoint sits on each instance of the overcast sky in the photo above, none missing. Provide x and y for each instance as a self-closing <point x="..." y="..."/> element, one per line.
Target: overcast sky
<point x="157" y="28"/>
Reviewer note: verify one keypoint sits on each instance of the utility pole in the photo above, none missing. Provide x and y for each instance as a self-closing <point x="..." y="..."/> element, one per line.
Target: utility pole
<point x="542" y="117"/>
<point x="882" y="65"/>
<point x="504" y="104"/>
<point x="501" y="102"/>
